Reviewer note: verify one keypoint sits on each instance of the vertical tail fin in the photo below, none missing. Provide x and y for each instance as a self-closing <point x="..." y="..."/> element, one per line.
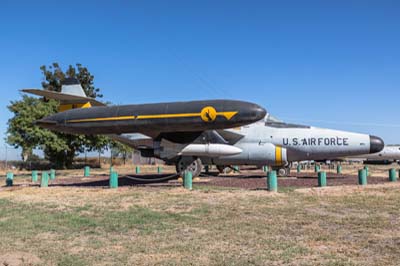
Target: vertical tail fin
<point x="71" y="86"/>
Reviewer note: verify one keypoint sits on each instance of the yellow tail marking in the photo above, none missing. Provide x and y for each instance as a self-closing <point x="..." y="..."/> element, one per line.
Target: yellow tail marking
<point x="278" y="155"/>
<point x="66" y="107"/>
<point x="87" y="105"/>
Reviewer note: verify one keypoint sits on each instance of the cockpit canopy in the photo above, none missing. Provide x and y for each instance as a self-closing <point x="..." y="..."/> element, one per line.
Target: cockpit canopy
<point x="271" y="121"/>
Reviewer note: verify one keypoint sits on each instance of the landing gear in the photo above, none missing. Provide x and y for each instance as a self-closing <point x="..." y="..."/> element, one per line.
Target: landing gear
<point x="283" y="171"/>
<point x="190" y="164"/>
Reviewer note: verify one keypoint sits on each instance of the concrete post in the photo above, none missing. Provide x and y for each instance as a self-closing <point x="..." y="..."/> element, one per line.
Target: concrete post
<point x="34" y="176"/>
<point x="322" y="179"/>
<point x="9" y="179"/>
<point x="392" y="175"/>
<point x="265" y="168"/>
<point x="272" y="181"/>
<point x="362" y="177"/>
<point x="236" y="169"/>
<point x="366" y="170"/>
<point x="52" y="174"/>
<point x="114" y="180"/>
<point x="86" y="171"/>
<point x="44" y="181"/>
<point x="187" y="180"/>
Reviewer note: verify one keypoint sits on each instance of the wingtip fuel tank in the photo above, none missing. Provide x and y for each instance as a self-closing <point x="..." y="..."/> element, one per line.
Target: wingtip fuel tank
<point x="194" y="116"/>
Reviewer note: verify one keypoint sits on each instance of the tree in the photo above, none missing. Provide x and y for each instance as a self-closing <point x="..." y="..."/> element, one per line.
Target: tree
<point x="120" y="150"/>
<point x="60" y="149"/>
<point x="23" y="133"/>
<point x="54" y="76"/>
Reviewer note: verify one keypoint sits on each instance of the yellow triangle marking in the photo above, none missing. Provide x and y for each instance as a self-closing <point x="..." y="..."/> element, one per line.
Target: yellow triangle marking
<point x="227" y="115"/>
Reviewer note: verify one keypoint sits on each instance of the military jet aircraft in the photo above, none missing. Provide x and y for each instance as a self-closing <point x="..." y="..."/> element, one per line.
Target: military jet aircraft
<point x="189" y="134"/>
<point x="389" y="154"/>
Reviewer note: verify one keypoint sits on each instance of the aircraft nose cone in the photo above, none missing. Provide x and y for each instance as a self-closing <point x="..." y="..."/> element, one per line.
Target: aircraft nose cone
<point x="259" y="112"/>
<point x="376" y="144"/>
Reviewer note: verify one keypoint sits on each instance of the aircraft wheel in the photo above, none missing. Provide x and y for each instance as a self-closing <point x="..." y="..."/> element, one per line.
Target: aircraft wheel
<point x="189" y="164"/>
<point x="283" y="171"/>
<point x="224" y="169"/>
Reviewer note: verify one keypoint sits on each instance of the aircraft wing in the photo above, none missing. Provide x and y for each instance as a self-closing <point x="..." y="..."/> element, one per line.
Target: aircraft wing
<point x="63" y="97"/>
<point x="230" y="136"/>
<point x="137" y="141"/>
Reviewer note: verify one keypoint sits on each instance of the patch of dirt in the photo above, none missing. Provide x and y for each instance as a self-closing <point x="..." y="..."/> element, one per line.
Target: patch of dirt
<point x="248" y="179"/>
<point x="19" y="258"/>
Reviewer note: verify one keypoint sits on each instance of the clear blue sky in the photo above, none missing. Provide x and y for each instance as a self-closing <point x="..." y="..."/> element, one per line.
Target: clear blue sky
<point x="326" y="63"/>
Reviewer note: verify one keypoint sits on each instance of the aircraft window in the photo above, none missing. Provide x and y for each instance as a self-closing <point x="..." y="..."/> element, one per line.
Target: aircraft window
<point x="271" y="121"/>
<point x="271" y="118"/>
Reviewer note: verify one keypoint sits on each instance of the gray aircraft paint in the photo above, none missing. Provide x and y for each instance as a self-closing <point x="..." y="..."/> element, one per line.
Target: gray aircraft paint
<point x="301" y="143"/>
<point x="390" y="153"/>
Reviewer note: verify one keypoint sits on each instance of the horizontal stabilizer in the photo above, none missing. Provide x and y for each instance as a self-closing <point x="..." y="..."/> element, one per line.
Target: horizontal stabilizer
<point x="64" y="98"/>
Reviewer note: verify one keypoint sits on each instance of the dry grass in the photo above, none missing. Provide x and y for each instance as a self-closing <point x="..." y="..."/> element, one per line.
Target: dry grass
<point x="207" y="226"/>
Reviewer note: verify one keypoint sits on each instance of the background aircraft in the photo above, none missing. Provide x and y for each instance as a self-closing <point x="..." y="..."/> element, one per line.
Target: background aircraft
<point x="389" y="154"/>
<point x="189" y="134"/>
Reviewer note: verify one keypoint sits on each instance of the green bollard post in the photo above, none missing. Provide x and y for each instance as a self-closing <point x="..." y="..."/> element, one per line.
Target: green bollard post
<point x="362" y="177"/>
<point x="52" y="174"/>
<point x="298" y="168"/>
<point x="392" y="175"/>
<point x="9" y="179"/>
<point x="366" y="170"/>
<point x="265" y="168"/>
<point x="316" y="168"/>
<point x="159" y="170"/>
<point x="272" y="181"/>
<point x="44" y="181"/>
<point x="34" y="176"/>
<point x="187" y="180"/>
<point x="114" y="180"/>
<point x="137" y="169"/>
<point x="339" y="169"/>
<point x="322" y="179"/>
<point x="111" y="170"/>
<point x="86" y="171"/>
